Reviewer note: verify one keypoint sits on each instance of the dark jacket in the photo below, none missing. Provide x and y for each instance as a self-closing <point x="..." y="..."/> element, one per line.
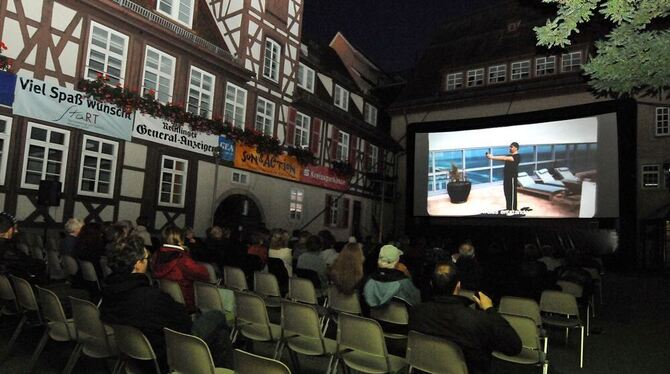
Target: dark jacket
<point x="128" y="299"/>
<point x="14" y="261"/>
<point x="478" y="333"/>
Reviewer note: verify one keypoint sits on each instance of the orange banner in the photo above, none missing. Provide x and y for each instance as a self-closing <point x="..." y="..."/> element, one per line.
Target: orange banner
<point x="281" y="166"/>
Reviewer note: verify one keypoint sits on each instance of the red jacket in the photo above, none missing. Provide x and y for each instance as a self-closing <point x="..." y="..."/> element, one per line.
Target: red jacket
<point x="174" y="263"/>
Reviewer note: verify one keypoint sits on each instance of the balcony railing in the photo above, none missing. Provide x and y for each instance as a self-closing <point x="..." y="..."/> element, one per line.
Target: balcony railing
<point x="185" y="34"/>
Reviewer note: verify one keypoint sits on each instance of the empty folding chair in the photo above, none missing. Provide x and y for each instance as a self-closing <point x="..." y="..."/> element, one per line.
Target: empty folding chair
<point x="266" y="285"/>
<point x="7" y="297"/>
<point x="94" y="339"/>
<point x="302" y="290"/>
<point x="249" y="363"/>
<point x="133" y="345"/>
<point x="207" y="297"/>
<point x="88" y="272"/>
<point x="252" y="321"/>
<point x="577" y="291"/>
<point x="55" y="268"/>
<point x="301" y="332"/>
<point x="361" y="345"/>
<point x="234" y="278"/>
<point x="559" y="309"/>
<point x="520" y="306"/>
<point x="341" y="303"/>
<point x="188" y="354"/>
<point x="394" y="312"/>
<point x="69" y="265"/>
<point x="432" y="354"/>
<point x="171" y="288"/>
<point x="58" y="327"/>
<point x="531" y="351"/>
<point x="28" y="307"/>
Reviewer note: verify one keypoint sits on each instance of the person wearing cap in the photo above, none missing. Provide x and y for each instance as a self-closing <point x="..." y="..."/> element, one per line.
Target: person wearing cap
<point x="388" y="282"/>
<point x="510" y="173"/>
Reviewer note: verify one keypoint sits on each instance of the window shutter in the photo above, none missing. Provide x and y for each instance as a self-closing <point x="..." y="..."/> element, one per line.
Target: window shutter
<point x="353" y="142"/>
<point x="343" y="220"/>
<point x="290" y="127"/>
<point x="335" y="133"/>
<point x="329" y="201"/>
<point x="316" y="136"/>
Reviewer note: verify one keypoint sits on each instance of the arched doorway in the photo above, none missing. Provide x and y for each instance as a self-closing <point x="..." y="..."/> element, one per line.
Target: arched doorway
<point x="238" y="212"/>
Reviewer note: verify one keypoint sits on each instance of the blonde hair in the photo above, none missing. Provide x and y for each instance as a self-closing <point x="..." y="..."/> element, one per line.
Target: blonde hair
<point x="173" y="236"/>
<point x="347" y="270"/>
<point x="73" y="225"/>
<point x="279" y="239"/>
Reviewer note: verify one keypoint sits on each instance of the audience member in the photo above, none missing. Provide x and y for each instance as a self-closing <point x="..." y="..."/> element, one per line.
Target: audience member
<point x="389" y="282"/>
<point x="312" y="260"/>
<point x="129" y="299"/>
<point x="68" y="245"/>
<point x="195" y="246"/>
<point x="469" y="270"/>
<point x="477" y="332"/>
<point x="173" y="262"/>
<point x="13" y="260"/>
<point x="279" y="249"/>
<point x="142" y="232"/>
<point x="549" y="258"/>
<point x="329" y="254"/>
<point x="91" y="246"/>
<point x="346" y="273"/>
<point x="257" y="245"/>
<point x="532" y="273"/>
<point x="300" y="246"/>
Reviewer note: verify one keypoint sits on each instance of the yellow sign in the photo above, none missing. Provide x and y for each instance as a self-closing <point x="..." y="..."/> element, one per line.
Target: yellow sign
<point x="281" y="166"/>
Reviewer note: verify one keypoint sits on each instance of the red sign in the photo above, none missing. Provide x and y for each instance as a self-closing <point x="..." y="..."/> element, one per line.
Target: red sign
<point x="323" y="177"/>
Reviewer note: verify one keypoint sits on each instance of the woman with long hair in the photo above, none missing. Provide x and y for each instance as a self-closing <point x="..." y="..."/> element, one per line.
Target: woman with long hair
<point x="279" y="249"/>
<point x="346" y="273"/>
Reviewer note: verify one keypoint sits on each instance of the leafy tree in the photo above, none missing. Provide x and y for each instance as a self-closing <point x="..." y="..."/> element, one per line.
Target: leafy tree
<point x="633" y="58"/>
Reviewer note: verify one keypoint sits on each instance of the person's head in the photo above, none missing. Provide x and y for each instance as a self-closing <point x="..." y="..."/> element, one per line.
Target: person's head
<point x="389" y="255"/>
<point x="8" y="226"/>
<point x="189" y="233"/>
<point x="73" y="226"/>
<point x="347" y="270"/>
<point x="466" y="250"/>
<point x="304" y="235"/>
<point x="128" y="255"/>
<point x="174" y="236"/>
<point x="279" y="239"/>
<point x="445" y="280"/>
<point x="313" y="244"/>
<point x="113" y="233"/>
<point x="126" y="225"/>
<point x="514" y="147"/>
<point x="327" y="238"/>
<point x="258" y="237"/>
<point x="215" y="233"/>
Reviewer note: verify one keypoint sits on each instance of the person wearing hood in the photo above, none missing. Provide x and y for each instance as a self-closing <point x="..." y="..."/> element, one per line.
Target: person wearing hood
<point x="389" y="282"/>
<point x="173" y="262"/>
<point x="129" y="299"/>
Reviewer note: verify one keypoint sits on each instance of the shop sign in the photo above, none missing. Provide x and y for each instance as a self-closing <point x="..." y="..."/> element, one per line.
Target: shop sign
<point x="227" y="149"/>
<point x="179" y="136"/>
<point x="323" y="177"/>
<point x="282" y="166"/>
<point x="44" y="101"/>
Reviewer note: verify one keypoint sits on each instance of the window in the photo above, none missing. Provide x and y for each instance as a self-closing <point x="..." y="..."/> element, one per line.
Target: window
<point x="651" y="176"/>
<point x="173" y="182"/>
<point x="98" y="164"/>
<point x="520" y="70"/>
<point x="107" y="50"/>
<point x="454" y="81"/>
<point x="306" y="77"/>
<point x="373" y="159"/>
<point x="271" y="60"/>
<point x="341" y="98"/>
<point x="296" y="201"/>
<point x="497" y="73"/>
<point x="571" y="61"/>
<point x="545" y="66"/>
<point x="663" y="121"/>
<point x="475" y="77"/>
<point x="370" y="114"/>
<point x="5" y="132"/>
<point x="302" y="125"/>
<point x="45" y="156"/>
<point x="337" y="211"/>
<point x="200" y="92"/>
<point x="240" y="177"/>
<point x="236" y="103"/>
<point x="342" y="152"/>
<point x="158" y="74"/>
<point x="265" y="114"/>
<point x="179" y="10"/>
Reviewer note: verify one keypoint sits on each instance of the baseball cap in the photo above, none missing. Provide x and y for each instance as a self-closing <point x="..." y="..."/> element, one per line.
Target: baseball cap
<point x="389" y="253"/>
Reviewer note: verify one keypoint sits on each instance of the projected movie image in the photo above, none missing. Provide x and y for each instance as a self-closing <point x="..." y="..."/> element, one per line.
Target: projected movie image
<point x="536" y="170"/>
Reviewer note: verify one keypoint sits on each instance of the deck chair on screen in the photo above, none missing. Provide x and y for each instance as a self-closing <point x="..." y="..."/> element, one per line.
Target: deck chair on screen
<point x="528" y="185"/>
<point x="566" y="174"/>
<point x="548" y="179"/>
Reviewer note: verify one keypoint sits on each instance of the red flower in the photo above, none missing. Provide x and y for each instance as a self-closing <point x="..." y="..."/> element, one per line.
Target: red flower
<point x="152" y="92"/>
<point x="3" y="46"/>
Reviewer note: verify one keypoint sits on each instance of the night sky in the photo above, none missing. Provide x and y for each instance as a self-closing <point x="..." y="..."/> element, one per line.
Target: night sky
<point x="392" y="33"/>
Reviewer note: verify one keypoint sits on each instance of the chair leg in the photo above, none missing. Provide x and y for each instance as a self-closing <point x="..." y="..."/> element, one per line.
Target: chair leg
<point x="38" y="350"/>
<point x="294" y="360"/>
<point x="581" y="350"/>
<point x="410" y="370"/>
<point x="545" y="367"/>
<point x="546" y="344"/>
<point x="567" y="333"/>
<point x="330" y="364"/>
<point x="72" y="361"/>
<point x="325" y="326"/>
<point x="15" y="336"/>
<point x="588" y="320"/>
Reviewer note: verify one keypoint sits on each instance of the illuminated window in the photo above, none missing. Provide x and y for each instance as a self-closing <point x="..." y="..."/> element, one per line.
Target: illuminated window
<point x="296" y="204"/>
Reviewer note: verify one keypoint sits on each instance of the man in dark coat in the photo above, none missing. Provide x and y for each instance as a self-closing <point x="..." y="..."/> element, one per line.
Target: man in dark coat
<point x="129" y="299"/>
<point x="477" y="332"/>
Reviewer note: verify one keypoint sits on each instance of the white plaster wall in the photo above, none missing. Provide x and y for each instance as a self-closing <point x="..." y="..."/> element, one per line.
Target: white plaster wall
<point x="2" y="201"/>
<point x="203" y="197"/>
<point x="24" y="208"/>
<point x="79" y="210"/>
<point x="132" y="183"/>
<point x="33" y="9"/>
<point x="62" y="16"/>
<point x="327" y="82"/>
<point x="135" y="155"/>
<point x="11" y="35"/>
<point x="129" y="210"/>
<point x="68" y="59"/>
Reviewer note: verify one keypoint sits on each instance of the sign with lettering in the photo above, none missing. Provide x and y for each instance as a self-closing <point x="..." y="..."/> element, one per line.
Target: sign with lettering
<point x="324" y="177"/>
<point x="41" y="100"/>
<point x="281" y="166"/>
<point x="161" y="131"/>
<point x="227" y="149"/>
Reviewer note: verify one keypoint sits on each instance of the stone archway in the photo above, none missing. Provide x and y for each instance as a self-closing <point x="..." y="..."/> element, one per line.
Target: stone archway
<point x="239" y="211"/>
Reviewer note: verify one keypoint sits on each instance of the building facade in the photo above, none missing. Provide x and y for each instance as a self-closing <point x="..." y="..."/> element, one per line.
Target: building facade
<point x="241" y="61"/>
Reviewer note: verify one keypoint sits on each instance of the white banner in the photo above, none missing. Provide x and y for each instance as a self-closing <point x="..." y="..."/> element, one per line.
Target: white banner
<point x="165" y="132"/>
<point x="41" y="100"/>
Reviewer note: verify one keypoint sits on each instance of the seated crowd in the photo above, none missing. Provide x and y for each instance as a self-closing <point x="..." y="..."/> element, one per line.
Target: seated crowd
<point x="426" y="275"/>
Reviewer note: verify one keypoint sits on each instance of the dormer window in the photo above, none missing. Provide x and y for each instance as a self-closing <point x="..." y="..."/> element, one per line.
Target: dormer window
<point x="179" y="10"/>
<point x="341" y="98"/>
<point x="306" y="77"/>
<point x="370" y="114"/>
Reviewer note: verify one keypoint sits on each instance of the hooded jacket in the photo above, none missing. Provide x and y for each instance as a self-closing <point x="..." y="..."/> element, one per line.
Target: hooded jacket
<point x="129" y="299"/>
<point x="174" y="263"/>
<point x="386" y="284"/>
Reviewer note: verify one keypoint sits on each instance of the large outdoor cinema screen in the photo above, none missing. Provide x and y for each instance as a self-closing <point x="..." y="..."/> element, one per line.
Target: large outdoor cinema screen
<point x="560" y="169"/>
